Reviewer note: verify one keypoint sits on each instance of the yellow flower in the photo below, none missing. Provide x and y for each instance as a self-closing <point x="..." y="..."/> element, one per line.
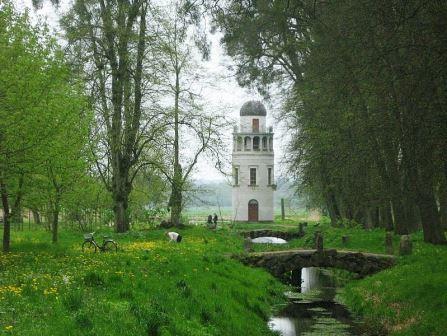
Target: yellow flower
<point x="8" y="327"/>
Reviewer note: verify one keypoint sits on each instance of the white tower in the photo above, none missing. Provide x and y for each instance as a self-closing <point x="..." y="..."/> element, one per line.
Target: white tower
<point x="253" y="173"/>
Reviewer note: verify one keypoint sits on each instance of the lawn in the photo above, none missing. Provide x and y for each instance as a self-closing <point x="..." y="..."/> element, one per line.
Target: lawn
<point x="150" y="287"/>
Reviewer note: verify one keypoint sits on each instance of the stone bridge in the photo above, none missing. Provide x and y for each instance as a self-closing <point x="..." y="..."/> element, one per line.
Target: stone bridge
<point x="280" y="262"/>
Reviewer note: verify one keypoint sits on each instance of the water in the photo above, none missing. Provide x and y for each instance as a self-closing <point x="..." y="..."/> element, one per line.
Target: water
<point x="312" y="310"/>
<point x="268" y="240"/>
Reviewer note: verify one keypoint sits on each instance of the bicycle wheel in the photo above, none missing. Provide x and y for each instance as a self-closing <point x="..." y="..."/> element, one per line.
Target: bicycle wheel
<point x="89" y="247"/>
<point x="110" y="246"/>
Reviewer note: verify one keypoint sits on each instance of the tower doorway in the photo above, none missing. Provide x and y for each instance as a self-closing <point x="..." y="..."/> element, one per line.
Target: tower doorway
<point x="253" y="211"/>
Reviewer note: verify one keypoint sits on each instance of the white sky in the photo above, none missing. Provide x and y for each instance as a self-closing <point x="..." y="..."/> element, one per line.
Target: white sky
<point x="226" y="93"/>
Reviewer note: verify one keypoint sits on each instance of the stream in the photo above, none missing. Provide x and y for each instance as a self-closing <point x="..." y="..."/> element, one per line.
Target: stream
<point x="312" y="310"/>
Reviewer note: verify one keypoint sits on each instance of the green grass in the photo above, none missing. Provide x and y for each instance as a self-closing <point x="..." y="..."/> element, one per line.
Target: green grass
<point x="150" y="287"/>
<point x="409" y="299"/>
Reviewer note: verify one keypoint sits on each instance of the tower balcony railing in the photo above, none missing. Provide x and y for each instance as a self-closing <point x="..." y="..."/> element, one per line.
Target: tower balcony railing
<point x="253" y="142"/>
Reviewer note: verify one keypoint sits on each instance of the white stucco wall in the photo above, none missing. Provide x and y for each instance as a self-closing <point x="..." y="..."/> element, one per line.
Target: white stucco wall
<point x="262" y="192"/>
<point x="246" y="124"/>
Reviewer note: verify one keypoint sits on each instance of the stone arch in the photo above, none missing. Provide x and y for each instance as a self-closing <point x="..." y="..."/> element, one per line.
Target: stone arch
<point x="256" y="143"/>
<point x="247" y="143"/>
<point x="264" y="143"/>
<point x="239" y="144"/>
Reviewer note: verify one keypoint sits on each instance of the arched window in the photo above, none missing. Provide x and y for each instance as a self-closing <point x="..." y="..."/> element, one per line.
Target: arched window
<point x="271" y="144"/>
<point x="247" y="143"/>
<point x="256" y="143"/>
<point x="239" y="144"/>
<point x="264" y="143"/>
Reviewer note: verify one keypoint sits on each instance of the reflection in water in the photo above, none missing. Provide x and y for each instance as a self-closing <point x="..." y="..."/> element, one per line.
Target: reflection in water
<point x="285" y="325"/>
<point x="315" y="312"/>
<point x="309" y="279"/>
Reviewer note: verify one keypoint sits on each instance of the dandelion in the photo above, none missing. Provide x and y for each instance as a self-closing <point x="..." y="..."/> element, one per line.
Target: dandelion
<point x="51" y="290"/>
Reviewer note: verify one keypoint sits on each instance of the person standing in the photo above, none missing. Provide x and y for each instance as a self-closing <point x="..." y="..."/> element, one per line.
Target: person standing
<point x="215" y="218"/>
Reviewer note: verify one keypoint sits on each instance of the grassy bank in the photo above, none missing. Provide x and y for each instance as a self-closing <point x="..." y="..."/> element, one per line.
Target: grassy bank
<point x="150" y="287"/>
<point x="409" y="299"/>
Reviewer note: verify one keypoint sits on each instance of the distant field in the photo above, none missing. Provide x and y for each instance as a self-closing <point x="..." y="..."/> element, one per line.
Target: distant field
<point x="201" y="213"/>
<point x="226" y="213"/>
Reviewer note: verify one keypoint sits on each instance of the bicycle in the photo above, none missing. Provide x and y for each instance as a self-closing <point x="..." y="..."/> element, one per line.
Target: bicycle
<point x="90" y="244"/>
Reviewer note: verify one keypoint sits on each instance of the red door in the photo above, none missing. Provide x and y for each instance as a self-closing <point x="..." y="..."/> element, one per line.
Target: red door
<point x="255" y="125"/>
<point x="253" y="211"/>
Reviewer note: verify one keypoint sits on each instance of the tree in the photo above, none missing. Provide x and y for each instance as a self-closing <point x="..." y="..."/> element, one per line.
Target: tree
<point x="36" y="100"/>
<point x="109" y="41"/>
<point x="195" y="131"/>
<point x="65" y="160"/>
<point x="365" y="96"/>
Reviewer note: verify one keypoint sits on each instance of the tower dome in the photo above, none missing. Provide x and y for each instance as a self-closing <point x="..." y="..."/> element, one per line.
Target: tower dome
<point x="253" y="108"/>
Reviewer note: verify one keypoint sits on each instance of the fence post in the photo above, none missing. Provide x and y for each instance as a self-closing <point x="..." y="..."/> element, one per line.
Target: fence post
<point x="283" y="211"/>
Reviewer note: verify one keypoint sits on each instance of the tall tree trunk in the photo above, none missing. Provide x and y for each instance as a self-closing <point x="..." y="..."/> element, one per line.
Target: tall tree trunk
<point x="6" y="222"/>
<point x="120" y="208"/>
<point x="331" y="205"/>
<point x="176" y="201"/>
<point x="442" y="196"/>
<point x="16" y="215"/>
<point x="412" y="215"/>
<point x="177" y="181"/>
<point x="433" y="232"/>
<point x="55" y="219"/>
<point x="369" y="223"/>
<point x="36" y="216"/>
<point x="386" y="217"/>
<point x="400" y="226"/>
<point x="431" y="224"/>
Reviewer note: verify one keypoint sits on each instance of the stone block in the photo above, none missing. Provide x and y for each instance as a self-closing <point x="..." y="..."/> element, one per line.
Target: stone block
<point x="389" y="243"/>
<point x="405" y="246"/>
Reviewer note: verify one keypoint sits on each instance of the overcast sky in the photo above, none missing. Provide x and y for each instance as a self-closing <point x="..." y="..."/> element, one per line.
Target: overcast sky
<point x="225" y="93"/>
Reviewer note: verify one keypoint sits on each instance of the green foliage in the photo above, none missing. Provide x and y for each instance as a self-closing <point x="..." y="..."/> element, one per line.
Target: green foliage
<point x="44" y="120"/>
<point x="363" y="100"/>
